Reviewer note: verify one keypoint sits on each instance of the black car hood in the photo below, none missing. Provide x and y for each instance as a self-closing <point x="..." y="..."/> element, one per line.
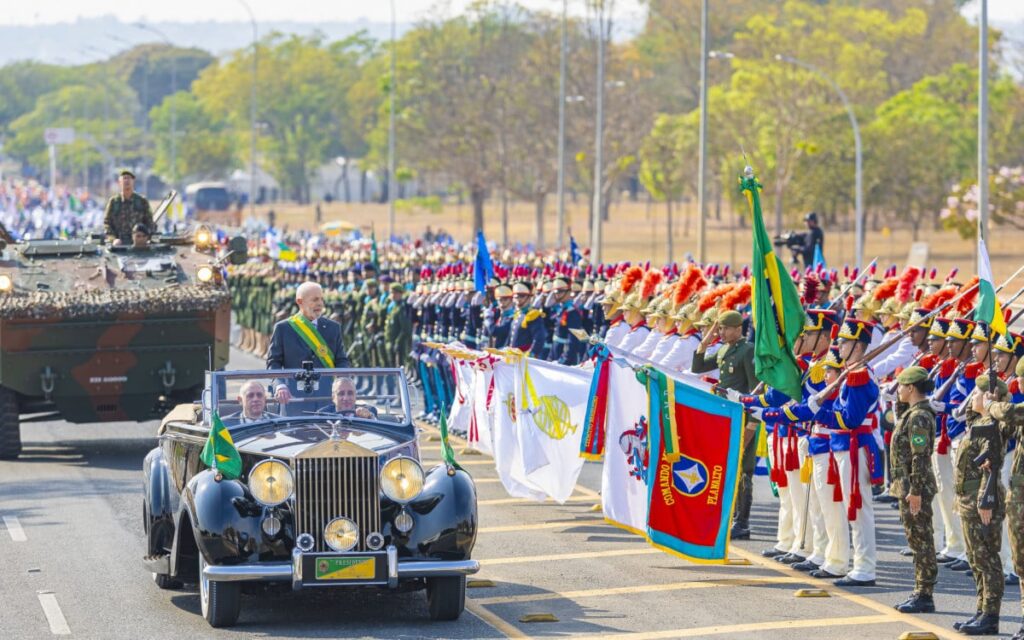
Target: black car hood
<point x="314" y="439"/>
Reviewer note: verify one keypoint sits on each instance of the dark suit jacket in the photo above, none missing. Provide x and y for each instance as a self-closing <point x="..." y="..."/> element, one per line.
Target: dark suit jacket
<point x="288" y="350"/>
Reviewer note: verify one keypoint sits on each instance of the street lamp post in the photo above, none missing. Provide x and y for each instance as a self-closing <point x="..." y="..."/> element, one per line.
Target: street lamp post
<point x="252" y="111"/>
<point x="561" y="125"/>
<point x="982" y="125"/>
<point x="174" y="90"/>
<point x="702" y="205"/>
<point x="859" y="196"/>
<point x="392" y="181"/>
<point x="596" y="219"/>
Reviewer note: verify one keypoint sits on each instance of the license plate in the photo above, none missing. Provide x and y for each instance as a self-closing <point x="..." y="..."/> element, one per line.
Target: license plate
<point x="346" y="568"/>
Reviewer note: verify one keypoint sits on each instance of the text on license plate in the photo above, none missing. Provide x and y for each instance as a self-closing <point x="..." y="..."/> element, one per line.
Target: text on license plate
<point x="347" y="568"/>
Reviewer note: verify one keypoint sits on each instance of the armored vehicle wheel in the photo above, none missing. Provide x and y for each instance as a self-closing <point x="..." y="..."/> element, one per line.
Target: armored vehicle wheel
<point x="10" y="431"/>
<point x="446" y="597"/>
<point x="220" y="601"/>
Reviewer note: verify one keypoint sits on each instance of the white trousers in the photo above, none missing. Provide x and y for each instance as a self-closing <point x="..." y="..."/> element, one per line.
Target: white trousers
<point x="791" y="505"/>
<point x="863" y="527"/>
<point x="949" y="535"/>
<point x="833" y="517"/>
<point x="815" y="540"/>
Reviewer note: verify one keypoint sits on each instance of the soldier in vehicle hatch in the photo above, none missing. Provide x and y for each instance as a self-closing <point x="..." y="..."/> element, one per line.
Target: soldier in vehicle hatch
<point x="126" y="210"/>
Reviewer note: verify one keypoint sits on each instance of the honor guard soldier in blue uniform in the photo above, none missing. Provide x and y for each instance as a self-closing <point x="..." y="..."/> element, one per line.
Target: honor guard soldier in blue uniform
<point x="526" y="332"/>
<point x="565" y="348"/>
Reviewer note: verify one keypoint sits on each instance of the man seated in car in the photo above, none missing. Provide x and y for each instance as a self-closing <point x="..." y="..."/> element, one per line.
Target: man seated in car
<point x="343" y="393"/>
<point x="252" y="397"/>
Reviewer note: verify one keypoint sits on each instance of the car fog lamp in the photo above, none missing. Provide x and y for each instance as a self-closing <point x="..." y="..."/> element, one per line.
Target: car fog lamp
<point x="204" y="273"/>
<point x="271" y="483"/>
<point x="375" y="540"/>
<point x="401" y="479"/>
<point x="305" y="542"/>
<point x="341" y="534"/>
<point x="6" y="282"/>
<point x="203" y="237"/>
<point x="403" y="521"/>
<point x="271" y="526"/>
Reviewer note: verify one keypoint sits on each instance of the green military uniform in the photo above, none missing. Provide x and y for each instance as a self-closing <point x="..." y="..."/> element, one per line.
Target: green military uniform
<point x="123" y="214"/>
<point x="1011" y="423"/>
<point x="397" y="330"/>
<point x="910" y="453"/>
<point x="973" y="486"/>
<point x="735" y="364"/>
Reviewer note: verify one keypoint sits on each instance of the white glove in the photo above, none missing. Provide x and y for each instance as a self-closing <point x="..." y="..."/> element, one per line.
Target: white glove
<point x="887" y="397"/>
<point x="813" y="404"/>
<point x="755" y="412"/>
<point x="937" y="406"/>
<point x="733" y="395"/>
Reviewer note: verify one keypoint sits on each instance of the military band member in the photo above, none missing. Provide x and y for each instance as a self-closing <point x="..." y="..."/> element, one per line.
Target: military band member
<point x="526" y="331"/>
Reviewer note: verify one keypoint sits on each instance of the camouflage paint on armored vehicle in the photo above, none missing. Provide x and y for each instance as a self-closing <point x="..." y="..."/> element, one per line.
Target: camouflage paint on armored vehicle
<point x="93" y="333"/>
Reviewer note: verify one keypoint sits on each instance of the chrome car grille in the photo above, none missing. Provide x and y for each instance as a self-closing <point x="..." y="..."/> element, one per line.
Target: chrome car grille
<point x="328" y="488"/>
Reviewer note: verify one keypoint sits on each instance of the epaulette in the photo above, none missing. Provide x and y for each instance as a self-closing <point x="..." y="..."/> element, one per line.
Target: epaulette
<point x="947" y="367"/>
<point x="858" y="378"/>
<point x="816" y="372"/>
<point x="1014" y="386"/>
<point x="929" y="361"/>
<point x="974" y="370"/>
<point x="532" y="315"/>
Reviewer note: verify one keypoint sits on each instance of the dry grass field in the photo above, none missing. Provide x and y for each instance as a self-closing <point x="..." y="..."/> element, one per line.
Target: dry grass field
<point x="637" y="231"/>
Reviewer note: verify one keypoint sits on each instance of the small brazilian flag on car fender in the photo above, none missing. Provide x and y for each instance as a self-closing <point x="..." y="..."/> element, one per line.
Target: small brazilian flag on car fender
<point x="220" y="453"/>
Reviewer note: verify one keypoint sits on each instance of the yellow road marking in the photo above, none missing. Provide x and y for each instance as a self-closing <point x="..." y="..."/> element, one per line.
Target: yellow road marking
<point x="745" y="627"/>
<point x="494" y="501"/>
<point x="488" y="562"/>
<point x="647" y="588"/>
<point x="542" y="525"/>
<point x="852" y="597"/>
<point x="507" y="629"/>
<point x="477" y="480"/>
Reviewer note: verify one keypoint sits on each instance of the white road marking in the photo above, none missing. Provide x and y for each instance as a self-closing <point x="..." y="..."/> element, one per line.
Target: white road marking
<point x="58" y="625"/>
<point x="14" y="528"/>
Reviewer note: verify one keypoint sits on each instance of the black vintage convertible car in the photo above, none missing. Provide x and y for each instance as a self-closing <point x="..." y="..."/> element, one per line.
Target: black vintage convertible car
<point x="331" y="493"/>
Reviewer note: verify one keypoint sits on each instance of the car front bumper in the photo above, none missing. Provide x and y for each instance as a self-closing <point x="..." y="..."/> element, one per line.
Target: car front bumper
<point x="292" y="571"/>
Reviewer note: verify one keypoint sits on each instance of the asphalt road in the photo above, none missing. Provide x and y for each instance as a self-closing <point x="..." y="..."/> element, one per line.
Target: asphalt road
<point x="71" y="546"/>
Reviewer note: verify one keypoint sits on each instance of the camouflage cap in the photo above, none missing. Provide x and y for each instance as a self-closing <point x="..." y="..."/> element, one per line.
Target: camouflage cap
<point x="396" y="287"/>
<point x="912" y="375"/>
<point x="125" y="171"/>
<point x="370" y="282"/>
<point x="983" y="384"/>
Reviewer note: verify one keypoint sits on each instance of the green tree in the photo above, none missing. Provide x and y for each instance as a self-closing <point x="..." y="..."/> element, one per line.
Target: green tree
<point x="207" y="147"/>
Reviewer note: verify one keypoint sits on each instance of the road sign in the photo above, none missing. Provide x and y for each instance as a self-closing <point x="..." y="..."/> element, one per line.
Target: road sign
<point x="59" y="135"/>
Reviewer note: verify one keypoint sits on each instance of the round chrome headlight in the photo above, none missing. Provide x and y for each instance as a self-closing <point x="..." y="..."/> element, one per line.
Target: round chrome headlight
<point x="6" y="282"/>
<point x="341" y="534"/>
<point x="204" y="273"/>
<point x="401" y="479"/>
<point x="271" y="482"/>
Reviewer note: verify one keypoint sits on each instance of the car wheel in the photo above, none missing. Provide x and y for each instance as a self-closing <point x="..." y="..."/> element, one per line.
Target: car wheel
<point x="220" y="601"/>
<point x="10" y="430"/>
<point x="446" y="597"/>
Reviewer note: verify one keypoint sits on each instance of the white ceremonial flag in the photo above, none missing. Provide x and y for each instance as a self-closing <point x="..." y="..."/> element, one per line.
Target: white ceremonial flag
<point x="623" y="476"/>
<point x="551" y="413"/>
<point x="481" y="434"/>
<point x="508" y="460"/>
<point x="462" y="407"/>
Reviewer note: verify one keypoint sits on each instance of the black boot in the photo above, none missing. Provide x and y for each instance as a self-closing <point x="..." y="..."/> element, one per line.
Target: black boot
<point x="958" y="625"/>
<point x="987" y="624"/>
<point x="739" y="531"/>
<point x="741" y="517"/>
<point x="917" y="603"/>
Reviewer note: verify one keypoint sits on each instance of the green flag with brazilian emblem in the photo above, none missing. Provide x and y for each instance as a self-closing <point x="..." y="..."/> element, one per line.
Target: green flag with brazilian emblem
<point x="220" y="453"/>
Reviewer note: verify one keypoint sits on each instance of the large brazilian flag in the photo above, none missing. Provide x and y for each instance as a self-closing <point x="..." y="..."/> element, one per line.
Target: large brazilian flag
<point x="777" y="313"/>
<point x="220" y="452"/>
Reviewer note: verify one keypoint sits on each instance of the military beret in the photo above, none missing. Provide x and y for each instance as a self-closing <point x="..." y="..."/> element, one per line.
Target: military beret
<point x="396" y="287"/>
<point x="912" y="375"/>
<point x="371" y="282"/>
<point x="731" y="319"/>
<point x="983" y="384"/>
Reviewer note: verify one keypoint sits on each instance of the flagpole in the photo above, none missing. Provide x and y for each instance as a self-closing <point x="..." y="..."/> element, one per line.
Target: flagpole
<point x="982" y="127"/>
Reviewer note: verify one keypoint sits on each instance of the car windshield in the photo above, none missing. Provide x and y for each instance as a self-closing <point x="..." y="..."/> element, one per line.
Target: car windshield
<point x="241" y="397"/>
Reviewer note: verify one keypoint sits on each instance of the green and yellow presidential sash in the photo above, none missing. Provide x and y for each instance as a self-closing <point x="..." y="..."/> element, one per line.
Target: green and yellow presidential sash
<point x="309" y="334"/>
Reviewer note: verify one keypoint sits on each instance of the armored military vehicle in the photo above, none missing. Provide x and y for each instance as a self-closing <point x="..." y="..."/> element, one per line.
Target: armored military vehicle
<point x="96" y="333"/>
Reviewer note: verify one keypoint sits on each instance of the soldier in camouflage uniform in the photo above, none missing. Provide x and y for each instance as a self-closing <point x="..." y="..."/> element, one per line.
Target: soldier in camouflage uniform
<point x="979" y="501"/>
<point x="126" y="210"/>
<point x="913" y="482"/>
<point x="1011" y="422"/>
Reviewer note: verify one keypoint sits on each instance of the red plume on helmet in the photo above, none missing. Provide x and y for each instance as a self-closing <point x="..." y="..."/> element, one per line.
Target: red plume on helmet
<point x="937" y="299"/>
<point x="650" y="282"/>
<point x="709" y="299"/>
<point x="739" y="296"/>
<point x="965" y="306"/>
<point x="809" y="289"/>
<point x="905" y="288"/>
<point x="885" y="290"/>
<point x="633" y="275"/>
<point x="952" y="274"/>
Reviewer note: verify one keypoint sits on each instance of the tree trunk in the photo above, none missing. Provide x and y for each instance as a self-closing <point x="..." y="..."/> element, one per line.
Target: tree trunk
<point x="686" y="222"/>
<point x="477" y="195"/>
<point x="779" y="191"/>
<point x="504" y="217"/>
<point x="344" y="177"/>
<point x="362" y="186"/>
<point x="538" y="203"/>
<point x="668" y="230"/>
